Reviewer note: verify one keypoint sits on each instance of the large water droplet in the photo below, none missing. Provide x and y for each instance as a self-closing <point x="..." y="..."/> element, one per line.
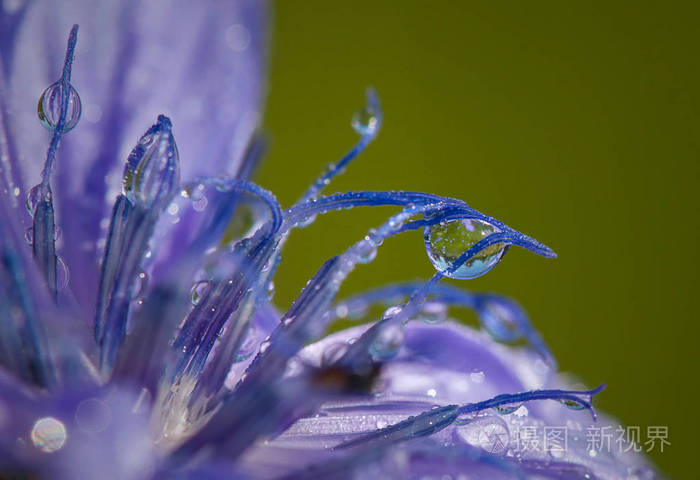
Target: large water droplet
<point x="365" y="121"/>
<point x="388" y="342"/>
<point x="49" y="107"/>
<point x="48" y="434"/>
<point x="446" y="242"/>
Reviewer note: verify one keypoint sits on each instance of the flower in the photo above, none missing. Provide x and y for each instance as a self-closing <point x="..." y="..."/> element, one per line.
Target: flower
<point x="162" y="355"/>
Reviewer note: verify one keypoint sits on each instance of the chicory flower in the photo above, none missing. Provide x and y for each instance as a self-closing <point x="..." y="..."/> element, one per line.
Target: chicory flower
<point x="137" y="335"/>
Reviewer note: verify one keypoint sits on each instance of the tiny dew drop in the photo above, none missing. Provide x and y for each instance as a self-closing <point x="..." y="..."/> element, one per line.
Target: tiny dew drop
<point x="571" y="404"/>
<point x="365" y="121"/>
<point x="507" y="408"/>
<point x="446" y="242"/>
<point x="198" y="290"/>
<point x="49" y="107"/>
<point x="29" y="235"/>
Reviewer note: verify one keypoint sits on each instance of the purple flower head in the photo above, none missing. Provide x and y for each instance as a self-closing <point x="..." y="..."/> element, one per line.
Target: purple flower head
<point x="137" y="335"/>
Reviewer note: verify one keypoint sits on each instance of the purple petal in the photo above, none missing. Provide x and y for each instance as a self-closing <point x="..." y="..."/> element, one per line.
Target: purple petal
<point x="201" y="63"/>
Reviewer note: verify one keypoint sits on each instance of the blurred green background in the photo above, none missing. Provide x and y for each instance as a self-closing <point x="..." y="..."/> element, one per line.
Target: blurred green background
<point x="575" y="124"/>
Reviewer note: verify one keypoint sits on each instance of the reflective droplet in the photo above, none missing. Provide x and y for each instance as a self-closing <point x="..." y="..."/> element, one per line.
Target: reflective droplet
<point x="365" y="121"/>
<point x="270" y="291"/>
<point x="264" y="346"/>
<point x="333" y="353"/>
<point x="446" y="242"/>
<point x="571" y="404"/>
<point x="49" y="107"/>
<point x="366" y="250"/>
<point x="48" y="434"/>
<point x="29" y="235"/>
<point x="388" y="342"/>
<point x="507" y="408"/>
<point x="500" y="322"/>
<point x="34" y="196"/>
<point x="433" y="312"/>
<point x="198" y="291"/>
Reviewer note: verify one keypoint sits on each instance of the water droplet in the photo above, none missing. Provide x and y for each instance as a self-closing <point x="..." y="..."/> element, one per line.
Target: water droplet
<point x="507" y="408"/>
<point x="433" y="312"/>
<point x="366" y="250"/>
<point x="140" y="284"/>
<point x="446" y="242"/>
<point x="388" y="342"/>
<point x="48" y="434"/>
<point x="249" y="345"/>
<point x="270" y="290"/>
<point x="500" y="321"/>
<point x="365" y="121"/>
<point x="49" y="107"/>
<point x="556" y="451"/>
<point x="342" y="311"/>
<point x="306" y="222"/>
<point x="29" y="235"/>
<point x="62" y="274"/>
<point x="34" y="196"/>
<point x="382" y="424"/>
<point x="391" y="312"/>
<point x="198" y="291"/>
<point x="152" y="171"/>
<point x="432" y="393"/>
<point x="333" y="353"/>
<point x="264" y="346"/>
<point x="571" y="404"/>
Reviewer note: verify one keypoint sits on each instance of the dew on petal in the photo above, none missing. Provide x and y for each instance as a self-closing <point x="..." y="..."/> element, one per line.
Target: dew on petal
<point x="446" y="242"/>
